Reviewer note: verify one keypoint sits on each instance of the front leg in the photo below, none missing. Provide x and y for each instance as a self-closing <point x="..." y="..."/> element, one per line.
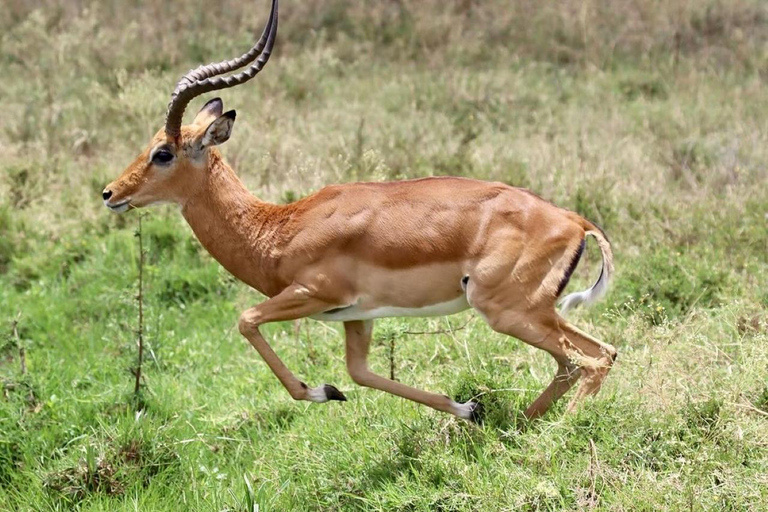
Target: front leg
<point x="294" y="302"/>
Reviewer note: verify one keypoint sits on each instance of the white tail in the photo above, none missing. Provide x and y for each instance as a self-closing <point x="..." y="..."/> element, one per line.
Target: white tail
<point x="597" y="290"/>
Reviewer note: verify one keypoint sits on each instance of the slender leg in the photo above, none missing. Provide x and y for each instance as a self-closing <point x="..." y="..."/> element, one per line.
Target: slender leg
<point x="520" y="303"/>
<point x="564" y="379"/>
<point x="546" y="336"/>
<point x="358" y="339"/>
<point x="293" y="302"/>
<point x="602" y="356"/>
<point x="577" y="355"/>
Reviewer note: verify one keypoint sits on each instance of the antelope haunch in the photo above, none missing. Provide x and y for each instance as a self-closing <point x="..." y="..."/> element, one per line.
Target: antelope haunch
<point x="361" y="251"/>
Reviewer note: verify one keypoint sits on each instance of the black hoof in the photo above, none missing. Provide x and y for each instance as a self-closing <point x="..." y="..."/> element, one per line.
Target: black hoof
<point x="332" y="393"/>
<point x="476" y="413"/>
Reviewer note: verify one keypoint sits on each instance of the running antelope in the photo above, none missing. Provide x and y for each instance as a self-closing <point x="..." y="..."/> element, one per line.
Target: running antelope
<point x="360" y="251"/>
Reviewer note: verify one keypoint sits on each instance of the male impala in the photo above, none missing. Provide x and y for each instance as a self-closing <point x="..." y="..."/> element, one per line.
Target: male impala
<point x="361" y="251"/>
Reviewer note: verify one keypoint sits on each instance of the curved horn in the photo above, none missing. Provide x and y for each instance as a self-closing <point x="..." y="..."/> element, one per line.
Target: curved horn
<point x="205" y="78"/>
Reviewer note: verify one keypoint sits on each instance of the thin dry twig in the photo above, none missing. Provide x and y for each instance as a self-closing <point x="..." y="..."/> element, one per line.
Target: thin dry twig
<point x="594" y="469"/>
<point x="501" y="390"/>
<point x="750" y="407"/>
<point x="450" y="330"/>
<point x="140" y="298"/>
<point x="22" y="350"/>
<point x="443" y="331"/>
<point x="392" y="358"/>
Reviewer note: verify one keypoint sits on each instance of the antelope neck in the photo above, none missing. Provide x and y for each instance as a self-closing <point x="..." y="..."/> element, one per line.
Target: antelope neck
<point x="229" y="222"/>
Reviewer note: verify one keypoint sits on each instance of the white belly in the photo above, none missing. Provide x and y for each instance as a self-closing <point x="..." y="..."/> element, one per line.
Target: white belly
<point x="354" y="312"/>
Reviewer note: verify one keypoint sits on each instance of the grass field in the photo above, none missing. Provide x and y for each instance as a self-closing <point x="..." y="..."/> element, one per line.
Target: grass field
<point x="650" y="118"/>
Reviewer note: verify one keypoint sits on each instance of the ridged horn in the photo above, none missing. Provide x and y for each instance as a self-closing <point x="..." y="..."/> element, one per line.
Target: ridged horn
<point x="207" y="78"/>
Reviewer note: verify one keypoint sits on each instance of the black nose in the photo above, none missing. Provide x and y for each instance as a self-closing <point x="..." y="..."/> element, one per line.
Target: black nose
<point x="106" y="194"/>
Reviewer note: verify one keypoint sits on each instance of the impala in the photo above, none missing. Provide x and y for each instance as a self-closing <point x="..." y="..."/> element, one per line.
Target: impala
<point x="360" y="251"/>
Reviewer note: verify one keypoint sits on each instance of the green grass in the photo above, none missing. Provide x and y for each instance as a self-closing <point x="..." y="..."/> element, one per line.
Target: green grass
<point x="650" y="120"/>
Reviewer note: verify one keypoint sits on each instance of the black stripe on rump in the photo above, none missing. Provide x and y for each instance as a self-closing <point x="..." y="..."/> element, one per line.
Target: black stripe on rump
<point x="572" y="267"/>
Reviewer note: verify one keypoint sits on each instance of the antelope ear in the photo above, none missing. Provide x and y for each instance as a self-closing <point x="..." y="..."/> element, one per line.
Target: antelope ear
<point x="219" y="130"/>
<point x="209" y="112"/>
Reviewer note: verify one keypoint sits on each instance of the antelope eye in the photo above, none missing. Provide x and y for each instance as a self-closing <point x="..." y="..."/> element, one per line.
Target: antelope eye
<point x="162" y="157"/>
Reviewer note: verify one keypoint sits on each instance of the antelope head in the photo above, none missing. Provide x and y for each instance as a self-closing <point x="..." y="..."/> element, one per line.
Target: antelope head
<point x="174" y="163"/>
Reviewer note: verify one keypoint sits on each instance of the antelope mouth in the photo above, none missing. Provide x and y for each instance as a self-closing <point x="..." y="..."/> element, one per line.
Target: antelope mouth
<point x="120" y="207"/>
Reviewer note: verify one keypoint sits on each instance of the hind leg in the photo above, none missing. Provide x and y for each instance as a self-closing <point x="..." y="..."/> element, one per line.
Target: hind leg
<point x="595" y="368"/>
<point x="565" y="377"/>
<point x="576" y="353"/>
<point x="542" y="333"/>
